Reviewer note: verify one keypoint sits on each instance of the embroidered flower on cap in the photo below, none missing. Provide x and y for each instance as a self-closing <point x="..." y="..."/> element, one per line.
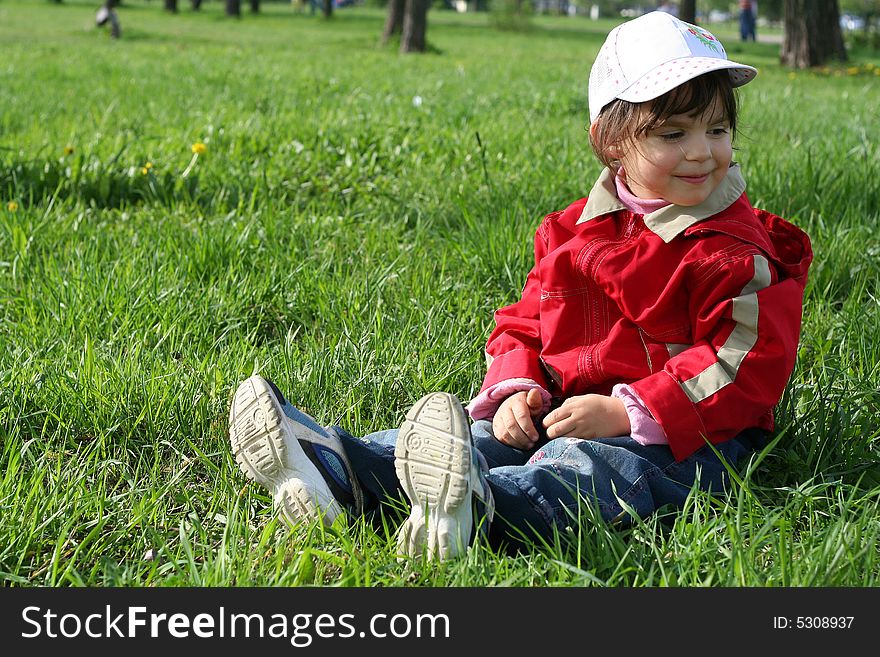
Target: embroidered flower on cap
<point x="704" y="37"/>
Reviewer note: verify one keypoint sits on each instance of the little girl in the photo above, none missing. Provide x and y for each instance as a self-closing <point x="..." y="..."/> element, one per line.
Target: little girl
<point x="662" y="314"/>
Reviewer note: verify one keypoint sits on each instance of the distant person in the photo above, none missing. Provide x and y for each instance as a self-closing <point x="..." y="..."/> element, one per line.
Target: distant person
<point x="653" y="338"/>
<point x="748" y="17"/>
<point x="107" y="15"/>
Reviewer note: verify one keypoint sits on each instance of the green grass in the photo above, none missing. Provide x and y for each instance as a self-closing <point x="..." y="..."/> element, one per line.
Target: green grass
<point x="353" y="244"/>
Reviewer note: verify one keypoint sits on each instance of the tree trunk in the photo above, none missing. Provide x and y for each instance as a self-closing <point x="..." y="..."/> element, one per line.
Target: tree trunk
<point x="171" y="5"/>
<point x="687" y="11"/>
<point x="196" y="4"/>
<point x="328" y="8"/>
<point x="233" y="8"/>
<point x="812" y="33"/>
<point x="394" y="21"/>
<point x="255" y="6"/>
<point x="415" y="24"/>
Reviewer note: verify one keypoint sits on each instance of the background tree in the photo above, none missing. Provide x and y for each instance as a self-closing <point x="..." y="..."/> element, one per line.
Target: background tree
<point x="171" y="5"/>
<point x="328" y="8"/>
<point x="812" y="33"/>
<point x="415" y="25"/>
<point x="233" y="8"/>
<point x="394" y="20"/>
<point x="196" y="4"/>
<point x="687" y="11"/>
<point x="255" y="6"/>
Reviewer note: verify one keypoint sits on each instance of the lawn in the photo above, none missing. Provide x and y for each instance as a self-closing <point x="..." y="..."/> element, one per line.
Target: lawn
<point x="206" y="198"/>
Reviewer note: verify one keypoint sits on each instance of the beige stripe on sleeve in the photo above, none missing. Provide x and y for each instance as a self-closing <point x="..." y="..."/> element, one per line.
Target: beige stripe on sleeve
<point x="739" y="342"/>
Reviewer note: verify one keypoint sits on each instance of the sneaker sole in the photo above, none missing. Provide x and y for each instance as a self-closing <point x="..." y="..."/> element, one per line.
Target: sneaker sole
<point x="433" y="463"/>
<point x="256" y="432"/>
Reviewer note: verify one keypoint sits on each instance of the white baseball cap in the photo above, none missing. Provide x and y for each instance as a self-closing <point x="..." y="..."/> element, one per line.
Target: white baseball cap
<point x="644" y="58"/>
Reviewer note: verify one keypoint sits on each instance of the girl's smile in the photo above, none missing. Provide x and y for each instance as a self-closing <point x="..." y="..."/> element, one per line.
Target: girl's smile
<point x="695" y="180"/>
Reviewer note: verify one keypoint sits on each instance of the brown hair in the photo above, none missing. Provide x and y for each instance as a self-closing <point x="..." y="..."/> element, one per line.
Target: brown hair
<point x="621" y="121"/>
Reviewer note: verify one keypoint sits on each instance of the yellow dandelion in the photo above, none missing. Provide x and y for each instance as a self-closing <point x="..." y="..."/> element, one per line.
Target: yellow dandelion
<point x="791" y="76"/>
<point x="144" y="171"/>
<point x="853" y="70"/>
<point x="199" y="148"/>
<point x="148" y="166"/>
<point x="877" y="71"/>
<point x="68" y="150"/>
<point x="869" y="66"/>
<point x="12" y="206"/>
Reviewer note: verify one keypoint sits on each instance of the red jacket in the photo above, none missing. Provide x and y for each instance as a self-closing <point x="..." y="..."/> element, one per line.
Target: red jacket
<point x="700" y="312"/>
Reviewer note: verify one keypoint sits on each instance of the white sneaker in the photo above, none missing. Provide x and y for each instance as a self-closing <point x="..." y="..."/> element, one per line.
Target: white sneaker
<point x="288" y="452"/>
<point x="440" y="471"/>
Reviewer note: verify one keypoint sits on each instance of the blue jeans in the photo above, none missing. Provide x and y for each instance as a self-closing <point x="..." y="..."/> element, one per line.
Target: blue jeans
<point x="747" y="25"/>
<point x="540" y="492"/>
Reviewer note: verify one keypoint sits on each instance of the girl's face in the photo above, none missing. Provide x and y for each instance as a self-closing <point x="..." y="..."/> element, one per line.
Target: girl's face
<point x="681" y="161"/>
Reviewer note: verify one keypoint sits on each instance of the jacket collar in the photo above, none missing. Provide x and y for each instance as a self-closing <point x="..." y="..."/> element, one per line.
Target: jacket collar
<point x="670" y="221"/>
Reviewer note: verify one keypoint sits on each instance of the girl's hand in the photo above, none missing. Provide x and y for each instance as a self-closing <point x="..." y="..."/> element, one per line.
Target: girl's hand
<point x="514" y="422"/>
<point x="588" y="416"/>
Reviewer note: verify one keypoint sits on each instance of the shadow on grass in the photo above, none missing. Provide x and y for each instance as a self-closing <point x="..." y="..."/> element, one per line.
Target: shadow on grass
<point x="37" y="182"/>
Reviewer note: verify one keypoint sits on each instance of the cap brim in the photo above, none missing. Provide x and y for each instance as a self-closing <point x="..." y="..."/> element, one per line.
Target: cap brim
<point x="669" y="75"/>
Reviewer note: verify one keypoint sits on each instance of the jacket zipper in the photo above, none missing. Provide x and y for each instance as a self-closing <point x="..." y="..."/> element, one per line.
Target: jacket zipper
<point x="596" y="296"/>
